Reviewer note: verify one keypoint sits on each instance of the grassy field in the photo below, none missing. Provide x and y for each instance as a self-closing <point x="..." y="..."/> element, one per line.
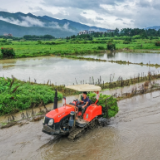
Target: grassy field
<point x="73" y="47"/>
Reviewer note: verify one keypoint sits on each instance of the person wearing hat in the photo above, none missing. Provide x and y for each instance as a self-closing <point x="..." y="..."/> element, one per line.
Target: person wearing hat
<point x="85" y="103"/>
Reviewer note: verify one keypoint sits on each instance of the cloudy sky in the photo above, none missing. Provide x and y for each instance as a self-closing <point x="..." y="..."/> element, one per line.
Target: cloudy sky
<point x="101" y="13"/>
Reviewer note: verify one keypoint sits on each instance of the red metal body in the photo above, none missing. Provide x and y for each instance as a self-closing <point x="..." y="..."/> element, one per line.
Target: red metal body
<point x="92" y="111"/>
<point x="59" y="113"/>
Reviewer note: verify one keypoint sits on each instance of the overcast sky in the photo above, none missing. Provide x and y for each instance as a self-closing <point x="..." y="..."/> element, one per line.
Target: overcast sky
<point x="101" y="13"/>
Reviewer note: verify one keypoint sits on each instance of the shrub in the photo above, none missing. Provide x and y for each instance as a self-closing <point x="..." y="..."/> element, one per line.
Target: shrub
<point x="136" y="37"/>
<point x="9" y="40"/>
<point x="157" y="43"/>
<point x="50" y="43"/>
<point x="111" y="46"/>
<point x="126" y="42"/>
<point x="101" y="48"/>
<point x="7" y="52"/>
<point x="16" y="95"/>
<point x="3" y="40"/>
<point x="39" y="42"/>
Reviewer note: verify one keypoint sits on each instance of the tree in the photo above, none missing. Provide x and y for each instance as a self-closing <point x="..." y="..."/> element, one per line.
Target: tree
<point x="116" y="32"/>
<point x="48" y="37"/>
<point x="111" y="46"/>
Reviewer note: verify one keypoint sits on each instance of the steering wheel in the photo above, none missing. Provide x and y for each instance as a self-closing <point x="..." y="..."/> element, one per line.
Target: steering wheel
<point x="77" y="102"/>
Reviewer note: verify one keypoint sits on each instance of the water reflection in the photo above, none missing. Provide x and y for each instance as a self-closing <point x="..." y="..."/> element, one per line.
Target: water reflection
<point x="111" y="55"/>
<point x="152" y="58"/>
<point x="65" y="71"/>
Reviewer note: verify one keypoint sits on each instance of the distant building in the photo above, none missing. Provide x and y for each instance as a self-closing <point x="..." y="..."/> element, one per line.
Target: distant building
<point x="8" y="35"/>
<point x="85" y="32"/>
<point x="90" y="32"/>
<point x="110" y="31"/>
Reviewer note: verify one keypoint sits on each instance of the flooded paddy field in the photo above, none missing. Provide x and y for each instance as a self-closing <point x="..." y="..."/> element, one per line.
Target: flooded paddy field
<point x="152" y="58"/>
<point x="133" y="135"/>
<point x="69" y="71"/>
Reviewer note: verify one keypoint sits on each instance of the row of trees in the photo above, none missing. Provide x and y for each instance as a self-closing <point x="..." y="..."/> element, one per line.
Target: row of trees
<point x="6" y="37"/>
<point x="30" y="37"/>
<point x="142" y="33"/>
<point x="83" y="36"/>
<point x="136" y="33"/>
<point x="34" y="37"/>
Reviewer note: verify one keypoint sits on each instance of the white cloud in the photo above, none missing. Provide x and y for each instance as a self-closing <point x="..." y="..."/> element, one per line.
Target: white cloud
<point x="141" y="13"/>
<point x="57" y="26"/>
<point x="26" y="21"/>
<point x="66" y="26"/>
<point x="30" y="22"/>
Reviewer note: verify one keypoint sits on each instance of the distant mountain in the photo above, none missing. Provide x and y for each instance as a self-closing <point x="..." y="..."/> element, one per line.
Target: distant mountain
<point x="20" y="24"/>
<point x="153" y="27"/>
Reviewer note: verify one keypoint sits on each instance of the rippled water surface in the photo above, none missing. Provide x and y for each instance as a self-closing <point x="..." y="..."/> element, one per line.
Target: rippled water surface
<point x="152" y="58"/>
<point x="68" y="71"/>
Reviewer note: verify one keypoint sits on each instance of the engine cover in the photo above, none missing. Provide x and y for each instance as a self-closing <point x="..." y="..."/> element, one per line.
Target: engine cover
<point x="60" y="113"/>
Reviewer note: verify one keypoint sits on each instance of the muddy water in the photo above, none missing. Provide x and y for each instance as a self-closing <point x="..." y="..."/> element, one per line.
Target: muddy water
<point x="152" y="58"/>
<point x="133" y="135"/>
<point x="67" y="71"/>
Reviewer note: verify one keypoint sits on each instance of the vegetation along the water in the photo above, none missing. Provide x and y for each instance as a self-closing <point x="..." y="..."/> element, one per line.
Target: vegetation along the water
<point x="16" y="95"/>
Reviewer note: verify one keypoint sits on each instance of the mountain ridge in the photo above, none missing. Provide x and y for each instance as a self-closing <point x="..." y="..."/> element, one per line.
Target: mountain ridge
<point x="153" y="27"/>
<point x="18" y="24"/>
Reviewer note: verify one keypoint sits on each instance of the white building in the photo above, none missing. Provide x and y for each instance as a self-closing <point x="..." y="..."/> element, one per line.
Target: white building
<point x="85" y="32"/>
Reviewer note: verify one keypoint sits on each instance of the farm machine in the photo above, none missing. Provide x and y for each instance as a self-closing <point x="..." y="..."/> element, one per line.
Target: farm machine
<point x="68" y="120"/>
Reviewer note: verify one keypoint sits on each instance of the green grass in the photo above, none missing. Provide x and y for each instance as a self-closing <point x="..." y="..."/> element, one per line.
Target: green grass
<point x="16" y="95"/>
<point x="73" y="47"/>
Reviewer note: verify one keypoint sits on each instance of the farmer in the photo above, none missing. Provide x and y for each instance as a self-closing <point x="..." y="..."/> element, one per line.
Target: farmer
<point x="85" y="103"/>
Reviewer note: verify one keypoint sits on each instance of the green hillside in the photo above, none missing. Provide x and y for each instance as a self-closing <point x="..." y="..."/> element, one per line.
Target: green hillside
<point x="20" y="24"/>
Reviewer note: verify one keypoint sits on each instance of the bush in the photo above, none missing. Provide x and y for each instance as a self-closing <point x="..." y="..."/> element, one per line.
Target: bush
<point x="50" y="43"/>
<point x="39" y="42"/>
<point x="136" y="37"/>
<point x="9" y="40"/>
<point x="101" y="48"/>
<point x="3" y="40"/>
<point x="111" y="46"/>
<point x="7" y="52"/>
<point x="16" y="95"/>
<point x="157" y="43"/>
<point x="126" y="42"/>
